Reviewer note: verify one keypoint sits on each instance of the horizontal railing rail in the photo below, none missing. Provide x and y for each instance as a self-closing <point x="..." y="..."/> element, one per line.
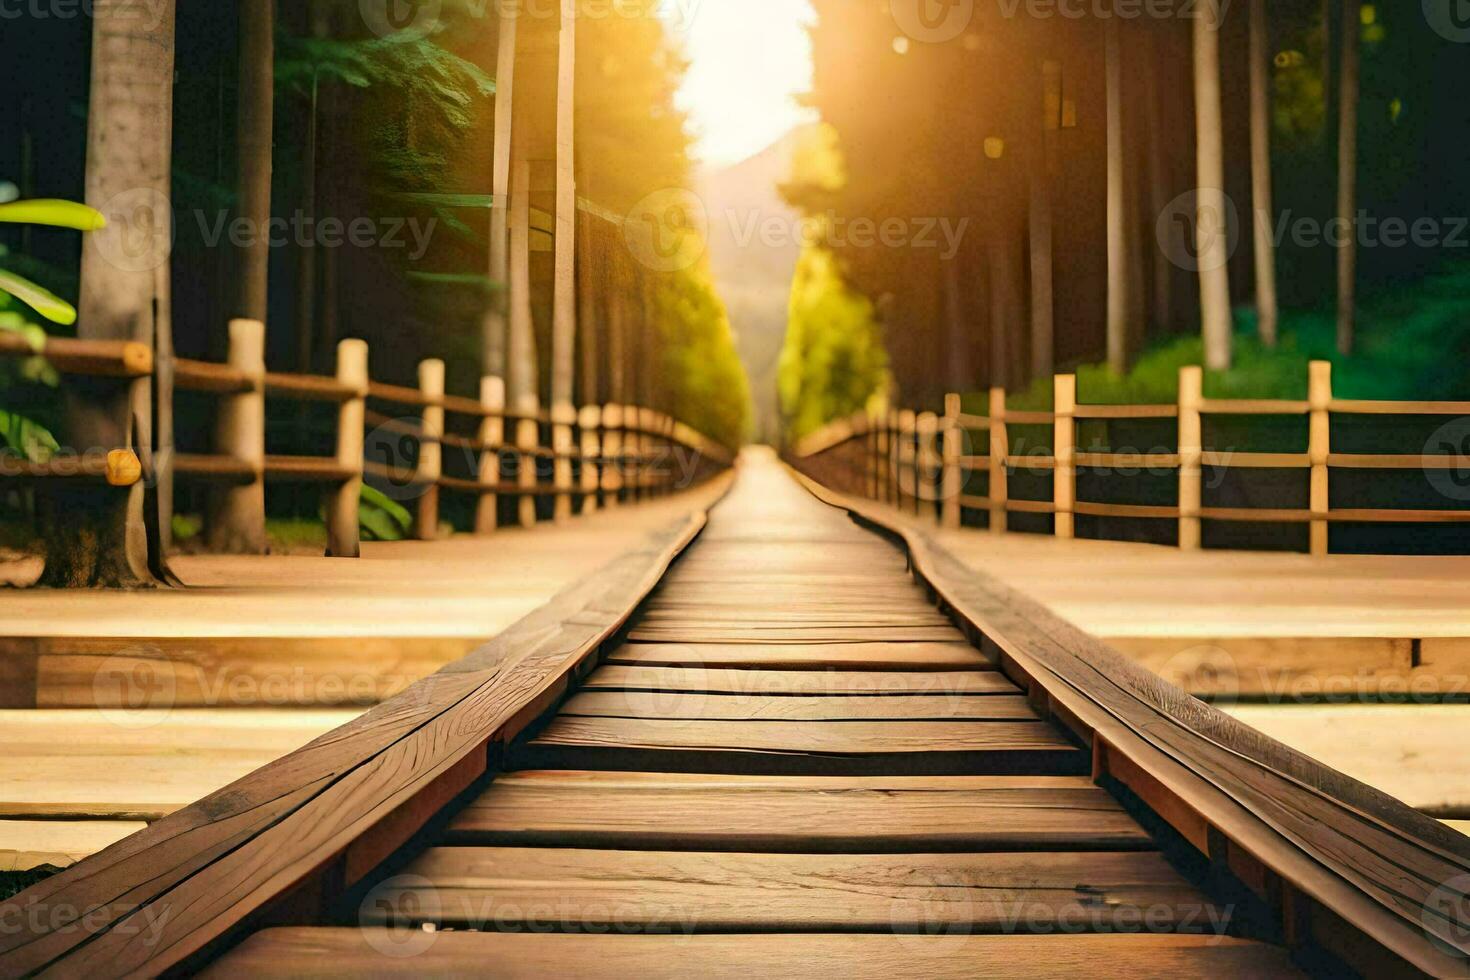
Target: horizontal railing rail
<point x="923" y="461"/>
<point x="598" y="455"/>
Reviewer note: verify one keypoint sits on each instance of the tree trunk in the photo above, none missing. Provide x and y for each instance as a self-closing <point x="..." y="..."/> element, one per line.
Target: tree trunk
<point x="493" y="325"/>
<point x="1160" y="187"/>
<point x="1210" y="221"/>
<point x="1039" y="224"/>
<point x="306" y="254"/>
<point x="97" y="536"/>
<point x="1117" y="207"/>
<point x="253" y="136"/>
<point x="1263" y="218"/>
<point x="956" y="349"/>
<point x="588" y="316"/>
<point x="1347" y="178"/>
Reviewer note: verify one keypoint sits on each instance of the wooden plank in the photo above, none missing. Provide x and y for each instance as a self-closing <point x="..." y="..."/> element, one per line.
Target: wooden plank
<point x="226" y="857"/>
<point x="27" y="844"/>
<point x="802" y="747"/>
<point x="863" y="815"/>
<point x="715" y="633"/>
<point x="947" y="956"/>
<point x="803" y="656"/>
<point x="797" y="682"/>
<point x="1368" y="858"/>
<point x="567" y="890"/>
<point x="644" y="704"/>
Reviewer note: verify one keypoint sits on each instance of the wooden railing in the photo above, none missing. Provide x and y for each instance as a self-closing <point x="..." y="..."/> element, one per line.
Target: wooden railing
<point x="597" y="456"/>
<point x="921" y="461"/>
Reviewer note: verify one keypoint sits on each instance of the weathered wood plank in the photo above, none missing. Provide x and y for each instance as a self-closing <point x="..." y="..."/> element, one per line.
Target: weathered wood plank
<point x="229" y="855"/>
<point x="568" y="890"/>
<point x="712" y="707"/>
<point x="802" y="748"/>
<point x="834" y="656"/>
<point x="755" y="682"/>
<point x="662" y="811"/>
<point x="951" y="956"/>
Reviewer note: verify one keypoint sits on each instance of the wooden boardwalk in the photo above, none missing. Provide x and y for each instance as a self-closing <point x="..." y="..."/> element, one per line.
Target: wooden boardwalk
<point x="774" y="756"/>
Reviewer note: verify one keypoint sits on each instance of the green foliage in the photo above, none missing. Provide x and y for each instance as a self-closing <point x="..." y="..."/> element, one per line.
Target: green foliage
<point x="380" y="518"/>
<point x="1413" y="343"/>
<point x="709" y="390"/>
<point x="59" y="214"/>
<point x="833" y="363"/>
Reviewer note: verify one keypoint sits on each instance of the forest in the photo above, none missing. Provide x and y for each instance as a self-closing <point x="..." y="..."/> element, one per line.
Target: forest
<point x="331" y="174"/>
<point x="1075" y="147"/>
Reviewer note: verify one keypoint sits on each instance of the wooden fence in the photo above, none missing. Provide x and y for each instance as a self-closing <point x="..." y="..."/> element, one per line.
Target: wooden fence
<point x="920" y="462"/>
<point x="599" y="455"/>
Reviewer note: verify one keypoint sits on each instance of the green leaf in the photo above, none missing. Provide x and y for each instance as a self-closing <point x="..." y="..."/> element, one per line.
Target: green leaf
<point x="58" y="214"/>
<point x="381" y="517"/>
<point x="32" y="440"/>
<point x="48" y="304"/>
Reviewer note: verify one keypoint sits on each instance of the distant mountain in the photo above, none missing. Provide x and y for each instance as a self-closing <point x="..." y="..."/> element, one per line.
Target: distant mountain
<point x="753" y="268"/>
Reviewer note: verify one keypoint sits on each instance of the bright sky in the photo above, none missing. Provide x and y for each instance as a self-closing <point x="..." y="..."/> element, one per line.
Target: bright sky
<point x="748" y="58"/>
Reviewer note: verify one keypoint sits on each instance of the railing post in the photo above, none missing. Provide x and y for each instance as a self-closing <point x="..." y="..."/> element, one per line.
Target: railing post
<point x="237" y="513"/>
<point x="431" y="449"/>
<point x="588" y="421"/>
<point x="907" y="459"/>
<point x="1319" y="398"/>
<point x="1000" y="451"/>
<point x="926" y="469"/>
<point x="951" y="484"/>
<point x="528" y="442"/>
<point x="1191" y="455"/>
<point x="612" y="455"/>
<point x="342" y="501"/>
<point x="871" y="470"/>
<point x="890" y="457"/>
<point x="563" y="417"/>
<point x="1064" y="448"/>
<point x="492" y="441"/>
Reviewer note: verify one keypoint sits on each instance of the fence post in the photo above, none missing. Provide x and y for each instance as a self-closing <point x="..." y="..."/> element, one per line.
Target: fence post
<point x="870" y="458"/>
<point x="612" y="455"/>
<point x="1191" y="455"/>
<point x="1319" y="398"/>
<point x="1000" y="451"/>
<point x="431" y="449"/>
<point x="952" y="483"/>
<point x="907" y="458"/>
<point x="528" y="441"/>
<point x="492" y="440"/>
<point x="926" y="430"/>
<point x="237" y="513"/>
<point x="895" y="491"/>
<point x="588" y="420"/>
<point x="563" y="417"/>
<point x="1064" y="448"/>
<point x="342" y="501"/>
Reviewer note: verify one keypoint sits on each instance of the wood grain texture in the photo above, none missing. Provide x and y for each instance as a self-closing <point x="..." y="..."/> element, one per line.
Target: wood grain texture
<point x="1371" y="860"/>
<point x="566" y="890"/>
<point x="286" y="953"/>
<point x="213" y="863"/>
<point x="797" y="682"/>
<point x="712" y="707"/>
<point x="956" y="655"/>
<point x="801" y="748"/>
<point x="663" y="811"/>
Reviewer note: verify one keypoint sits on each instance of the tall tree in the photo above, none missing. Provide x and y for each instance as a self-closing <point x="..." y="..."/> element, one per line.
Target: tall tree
<point x="254" y="131"/>
<point x="1347" y="177"/>
<point x="1118" y="257"/>
<point x="1210" y="221"/>
<point x="99" y="537"/>
<point x="564" y="289"/>
<point x="1263" y="210"/>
